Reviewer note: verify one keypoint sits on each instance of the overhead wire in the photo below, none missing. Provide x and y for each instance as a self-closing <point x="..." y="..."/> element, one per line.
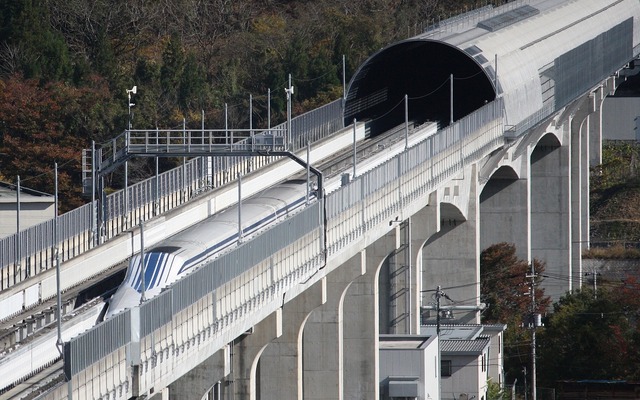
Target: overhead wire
<point x="48" y="172"/>
<point x="418" y="97"/>
<point x="313" y="79"/>
<point x="430" y="93"/>
<point x="389" y="111"/>
<point x="478" y="298"/>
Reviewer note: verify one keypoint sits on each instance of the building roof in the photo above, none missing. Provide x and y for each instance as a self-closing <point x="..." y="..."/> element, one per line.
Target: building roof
<point x="464" y="347"/>
<point x="8" y="194"/>
<point x="463" y="331"/>
<point x="406" y="342"/>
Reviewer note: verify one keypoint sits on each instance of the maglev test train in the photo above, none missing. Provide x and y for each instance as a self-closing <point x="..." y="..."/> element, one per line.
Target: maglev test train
<point x="178" y="255"/>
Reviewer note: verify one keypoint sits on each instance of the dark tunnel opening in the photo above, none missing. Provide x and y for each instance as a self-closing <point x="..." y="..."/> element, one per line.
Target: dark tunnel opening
<point x="421" y="70"/>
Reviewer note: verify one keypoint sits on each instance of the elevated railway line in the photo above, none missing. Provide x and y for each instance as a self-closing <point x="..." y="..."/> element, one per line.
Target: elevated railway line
<point x="20" y="330"/>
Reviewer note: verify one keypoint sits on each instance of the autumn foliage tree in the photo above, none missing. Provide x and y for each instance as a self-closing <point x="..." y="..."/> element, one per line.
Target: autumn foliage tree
<point x="44" y="124"/>
<point x="505" y="288"/>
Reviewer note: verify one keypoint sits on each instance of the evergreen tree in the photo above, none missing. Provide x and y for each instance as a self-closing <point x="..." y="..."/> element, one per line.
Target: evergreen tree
<point x="193" y="86"/>
<point x="43" y="53"/>
<point x="171" y="70"/>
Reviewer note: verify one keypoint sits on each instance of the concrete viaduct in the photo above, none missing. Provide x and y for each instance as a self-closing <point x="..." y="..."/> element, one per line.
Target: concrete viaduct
<point x="517" y="91"/>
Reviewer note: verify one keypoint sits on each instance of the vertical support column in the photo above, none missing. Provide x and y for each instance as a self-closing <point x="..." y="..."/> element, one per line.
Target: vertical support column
<point x="361" y="320"/>
<point x="585" y="185"/>
<point x="551" y="213"/>
<point x="504" y="209"/>
<point x="362" y="323"/>
<point x="246" y="353"/>
<point x="576" y="201"/>
<point x="394" y="283"/>
<point x="323" y="341"/>
<point x="578" y="124"/>
<point x="606" y="88"/>
<point x="280" y="374"/>
<point x="591" y="136"/>
<point x="451" y="257"/>
<point x="198" y="381"/>
<point x="424" y="224"/>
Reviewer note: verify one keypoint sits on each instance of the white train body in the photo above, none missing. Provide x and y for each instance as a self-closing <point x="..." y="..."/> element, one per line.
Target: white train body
<point x="177" y="256"/>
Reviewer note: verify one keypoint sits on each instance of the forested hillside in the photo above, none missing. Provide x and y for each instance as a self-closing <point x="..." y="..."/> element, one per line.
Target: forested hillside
<point x="615" y="196"/>
<point x="65" y="66"/>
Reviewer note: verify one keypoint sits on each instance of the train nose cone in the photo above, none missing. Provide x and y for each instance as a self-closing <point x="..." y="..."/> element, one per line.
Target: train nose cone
<point x="125" y="297"/>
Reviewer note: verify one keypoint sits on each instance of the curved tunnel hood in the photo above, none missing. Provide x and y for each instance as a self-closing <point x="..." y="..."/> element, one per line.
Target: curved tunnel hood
<point x="420" y="69"/>
<point x="538" y="57"/>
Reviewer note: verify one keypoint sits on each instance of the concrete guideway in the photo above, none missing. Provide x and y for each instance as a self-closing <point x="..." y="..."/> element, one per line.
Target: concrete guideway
<point x="373" y="157"/>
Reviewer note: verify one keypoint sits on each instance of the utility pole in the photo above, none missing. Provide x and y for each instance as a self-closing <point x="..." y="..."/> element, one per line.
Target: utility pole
<point x="534" y="321"/>
<point x="56" y="251"/>
<point x="439" y="294"/>
<point x="524" y="371"/>
<point x="133" y="90"/>
<point x="595" y="282"/>
<point x="142" y="266"/>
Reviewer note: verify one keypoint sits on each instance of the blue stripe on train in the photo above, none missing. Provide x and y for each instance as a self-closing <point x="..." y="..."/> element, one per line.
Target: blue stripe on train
<point x="154" y="267"/>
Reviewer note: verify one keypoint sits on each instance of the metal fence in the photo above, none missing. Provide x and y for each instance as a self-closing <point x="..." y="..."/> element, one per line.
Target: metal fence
<point x="78" y="230"/>
<point x="107" y="337"/>
<point x="311" y="127"/>
<point x="424" y="152"/>
<point x="157" y="312"/>
<point x="100" y="341"/>
<point x="466" y="19"/>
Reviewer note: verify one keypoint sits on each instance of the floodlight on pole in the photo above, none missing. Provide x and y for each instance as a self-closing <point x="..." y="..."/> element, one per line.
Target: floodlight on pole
<point x="133" y="90"/>
<point x="289" y="91"/>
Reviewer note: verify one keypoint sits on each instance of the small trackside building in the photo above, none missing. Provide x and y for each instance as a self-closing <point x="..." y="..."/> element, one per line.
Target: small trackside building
<point x="35" y="207"/>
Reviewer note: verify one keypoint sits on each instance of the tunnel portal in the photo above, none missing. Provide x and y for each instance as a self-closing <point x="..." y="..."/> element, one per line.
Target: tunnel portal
<point x="421" y="70"/>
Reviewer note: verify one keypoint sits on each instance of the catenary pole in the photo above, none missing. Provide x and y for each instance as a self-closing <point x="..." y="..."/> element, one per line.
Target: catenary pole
<point x="56" y="251"/>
